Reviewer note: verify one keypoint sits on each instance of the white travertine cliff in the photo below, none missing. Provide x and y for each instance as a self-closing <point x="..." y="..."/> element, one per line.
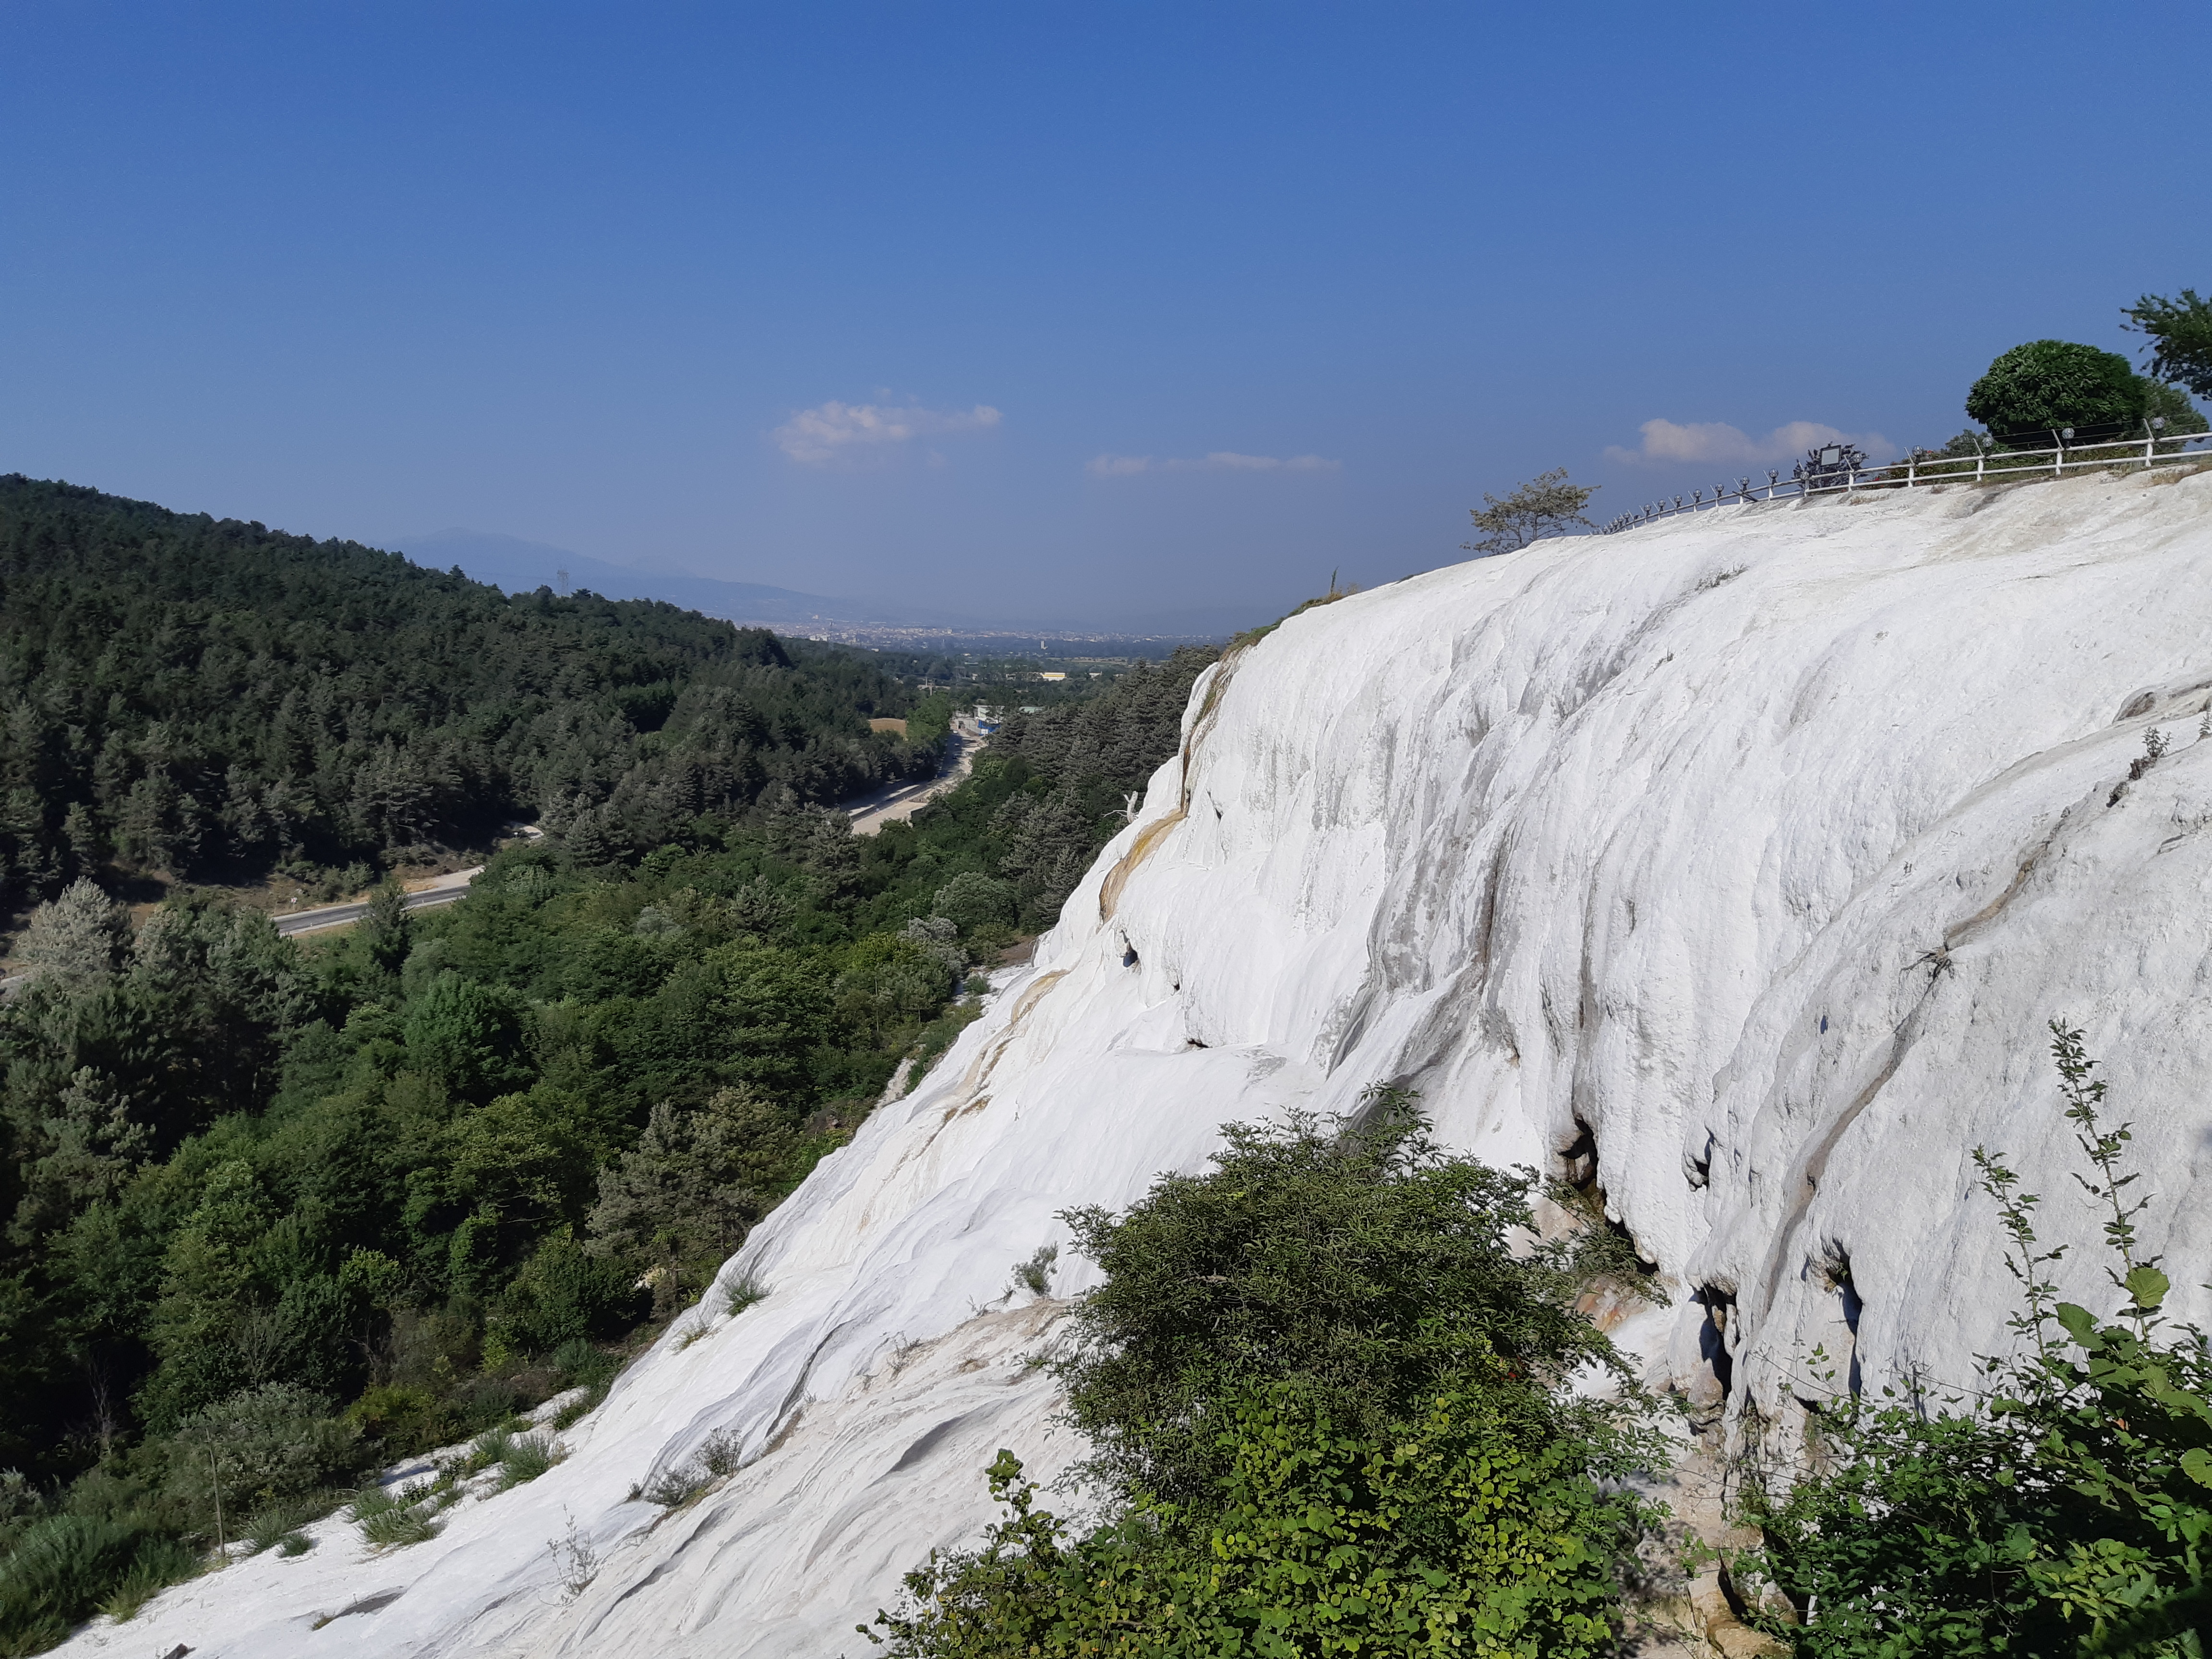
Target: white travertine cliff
<point x="1753" y="848"/>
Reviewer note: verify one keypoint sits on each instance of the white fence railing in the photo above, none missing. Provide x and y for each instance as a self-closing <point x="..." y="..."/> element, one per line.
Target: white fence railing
<point x="1932" y="467"/>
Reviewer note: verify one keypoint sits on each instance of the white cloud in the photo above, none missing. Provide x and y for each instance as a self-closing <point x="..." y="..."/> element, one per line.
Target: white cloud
<point x="1667" y="443"/>
<point x="832" y="431"/>
<point x="1221" y="460"/>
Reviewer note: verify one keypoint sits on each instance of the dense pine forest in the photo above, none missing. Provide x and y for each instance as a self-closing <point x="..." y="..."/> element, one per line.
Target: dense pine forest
<point x="276" y="1212"/>
<point x="207" y="698"/>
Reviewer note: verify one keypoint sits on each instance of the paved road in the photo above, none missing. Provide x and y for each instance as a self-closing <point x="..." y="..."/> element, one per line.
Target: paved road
<point x="421" y="896"/>
<point x="872" y="813"/>
<point x="440" y="890"/>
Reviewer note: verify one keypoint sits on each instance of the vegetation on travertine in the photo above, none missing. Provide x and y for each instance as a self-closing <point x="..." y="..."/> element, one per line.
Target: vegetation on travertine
<point x="1548" y="505"/>
<point x="201" y="698"/>
<point x="1329" y="1410"/>
<point x="276" y="1214"/>
<point x="2062" y="1507"/>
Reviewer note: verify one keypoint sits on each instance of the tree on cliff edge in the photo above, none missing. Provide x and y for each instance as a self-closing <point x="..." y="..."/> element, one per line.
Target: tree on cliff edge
<point x="2181" y="338"/>
<point x="1548" y="505"/>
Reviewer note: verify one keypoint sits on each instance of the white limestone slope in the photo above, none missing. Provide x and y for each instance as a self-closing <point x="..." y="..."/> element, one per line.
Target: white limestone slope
<point x="1759" y="846"/>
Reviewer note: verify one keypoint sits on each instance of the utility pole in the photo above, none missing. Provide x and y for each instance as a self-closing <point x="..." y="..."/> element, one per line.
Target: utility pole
<point x="215" y="1475"/>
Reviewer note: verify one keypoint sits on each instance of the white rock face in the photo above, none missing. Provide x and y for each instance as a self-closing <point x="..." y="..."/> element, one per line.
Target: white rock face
<point x="1757" y="848"/>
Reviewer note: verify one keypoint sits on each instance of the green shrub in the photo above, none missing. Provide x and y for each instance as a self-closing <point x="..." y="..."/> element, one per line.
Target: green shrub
<point x="403" y="1420"/>
<point x="673" y="1488"/>
<point x="741" y="1294"/>
<point x="2033" y="391"/>
<point x="1362" y="1258"/>
<point x="2066" y="1504"/>
<point x="974" y="901"/>
<point x="577" y="1364"/>
<point x="718" y="1454"/>
<point x="1331" y="1412"/>
<point x="562" y="1294"/>
<point x="260" y="1447"/>
<point x="1035" y="1274"/>
<point x="1459" y="1533"/>
<point x="2162" y="400"/>
<point x="938" y="1035"/>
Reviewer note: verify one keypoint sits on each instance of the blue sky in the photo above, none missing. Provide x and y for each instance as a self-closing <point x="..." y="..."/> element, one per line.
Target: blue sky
<point x="1037" y="310"/>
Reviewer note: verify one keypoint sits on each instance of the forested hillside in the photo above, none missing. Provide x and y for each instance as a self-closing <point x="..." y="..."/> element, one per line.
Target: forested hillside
<point x="275" y="1214"/>
<point x="205" y="697"/>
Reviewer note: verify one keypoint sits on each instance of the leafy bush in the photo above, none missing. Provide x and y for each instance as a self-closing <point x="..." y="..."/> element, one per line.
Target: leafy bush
<point x="2063" y="1512"/>
<point x="403" y="1420"/>
<point x="974" y="901"/>
<point x="718" y="1454"/>
<point x="1331" y="1412"/>
<point x="562" y="1294"/>
<point x="371" y="1500"/>
<point x="2033" y="391"/>
<point x="260" y="1447"/>
<point x="939" y="1035"/>
<point x="673" y="1488"/>
<point x="2169" y="403"/>
<point x="1362" y="1258"/>
<point x="1458" y="1533"/>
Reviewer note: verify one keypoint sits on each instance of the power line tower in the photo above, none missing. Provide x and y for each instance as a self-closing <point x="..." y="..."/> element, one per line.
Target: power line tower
<point x="563" y="577"/>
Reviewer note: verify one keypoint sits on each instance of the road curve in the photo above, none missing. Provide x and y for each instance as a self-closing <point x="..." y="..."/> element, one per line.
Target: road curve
<point x="872" y="813"/>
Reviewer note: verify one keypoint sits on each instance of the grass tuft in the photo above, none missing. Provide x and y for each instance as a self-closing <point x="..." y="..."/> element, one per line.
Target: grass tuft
<point x="527" y="1457"/>
<point x="396" y="1527"/>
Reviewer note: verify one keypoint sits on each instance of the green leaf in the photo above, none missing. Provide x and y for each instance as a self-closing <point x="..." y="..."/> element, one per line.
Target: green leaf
<point x="2080" y="1324"/>
<point x="2197" y="1464"/>
<point x="2147" y="1286"/>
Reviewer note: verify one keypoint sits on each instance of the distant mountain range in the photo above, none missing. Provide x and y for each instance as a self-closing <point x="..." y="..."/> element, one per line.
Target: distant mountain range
<point x="519" y="567"/>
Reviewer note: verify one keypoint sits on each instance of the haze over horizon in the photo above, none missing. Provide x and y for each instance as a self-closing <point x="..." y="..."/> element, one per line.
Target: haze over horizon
<point x="1027" y="313"/>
